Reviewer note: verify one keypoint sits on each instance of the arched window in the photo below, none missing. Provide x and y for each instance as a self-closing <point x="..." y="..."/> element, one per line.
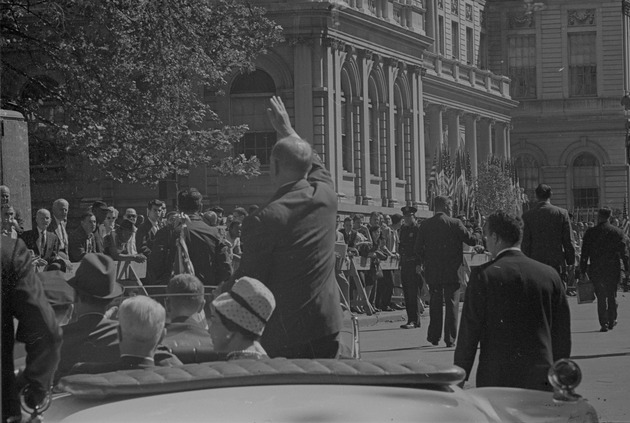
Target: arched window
<point x="586" y="175"/>
<point x="528" y="172"/>
<point x="346" y="123"/>
<point x="249" y="95"/>
<point x="398" y="134"/>
<point x="374" y="128"/>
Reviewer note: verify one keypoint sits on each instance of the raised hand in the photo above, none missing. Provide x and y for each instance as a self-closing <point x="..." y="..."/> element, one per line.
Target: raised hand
<point x="279" y="118"/>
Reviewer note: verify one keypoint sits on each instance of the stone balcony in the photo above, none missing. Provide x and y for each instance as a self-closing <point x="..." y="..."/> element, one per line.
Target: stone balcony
<point x="467" y="75"/>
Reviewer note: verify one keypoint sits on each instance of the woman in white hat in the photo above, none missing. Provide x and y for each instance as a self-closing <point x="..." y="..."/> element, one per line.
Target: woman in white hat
<point x="239" y="317"/>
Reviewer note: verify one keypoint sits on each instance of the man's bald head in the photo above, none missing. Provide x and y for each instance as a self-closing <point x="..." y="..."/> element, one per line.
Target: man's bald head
<point x="293" y="156"/>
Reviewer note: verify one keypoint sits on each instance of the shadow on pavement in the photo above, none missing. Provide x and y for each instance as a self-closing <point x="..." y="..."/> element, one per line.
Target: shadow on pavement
<point x="584" y="357"/>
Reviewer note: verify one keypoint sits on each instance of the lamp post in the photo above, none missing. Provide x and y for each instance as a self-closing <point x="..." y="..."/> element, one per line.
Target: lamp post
<point x="625" y="100"/>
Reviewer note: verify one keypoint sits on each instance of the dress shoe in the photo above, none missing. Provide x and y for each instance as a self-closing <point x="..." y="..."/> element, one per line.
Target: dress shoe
<point x="436" y="343"/>
<point x="450" y="345"/>
<point x="398" y="306"/>
<point x="409" y="325"/>
<point x="388" y="308"/>
<point x="611" y="325"/>
<point x="604" y="329"/>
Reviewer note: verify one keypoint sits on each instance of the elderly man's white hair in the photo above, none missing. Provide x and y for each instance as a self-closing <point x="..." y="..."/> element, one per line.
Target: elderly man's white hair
<point x="141" y="319"/>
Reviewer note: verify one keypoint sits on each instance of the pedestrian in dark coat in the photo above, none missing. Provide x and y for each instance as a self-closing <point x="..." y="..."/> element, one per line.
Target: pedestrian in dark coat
<point x="289" y="245"/>
<point x="547" y="234"/>
<point x="516" y="311"/>
<point x="439" y="245"/>
<point x="603" y="249"/>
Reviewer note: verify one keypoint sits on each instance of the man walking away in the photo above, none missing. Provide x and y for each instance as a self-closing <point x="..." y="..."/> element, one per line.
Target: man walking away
<point x="517" y="312"/>
<point x="604" y="247"/>
<point x="440" y="248"/>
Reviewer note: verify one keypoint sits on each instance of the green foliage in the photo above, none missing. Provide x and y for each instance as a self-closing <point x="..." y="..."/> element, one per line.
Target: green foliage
<point x="127" y="78"/>
<point x="495" y="189"/>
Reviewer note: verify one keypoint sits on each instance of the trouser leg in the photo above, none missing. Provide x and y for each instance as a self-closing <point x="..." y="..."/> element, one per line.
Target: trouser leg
<point x="612" y="302"/>
<point x="451" y="301"/>
<point x="435" y="313"/>
<point x="410" y="291"/>
<point x="385" y="289"/>
<point x="602" y="306"/>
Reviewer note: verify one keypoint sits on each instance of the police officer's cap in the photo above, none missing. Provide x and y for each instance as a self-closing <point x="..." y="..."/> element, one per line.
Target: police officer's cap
<point x="408" y="210"/>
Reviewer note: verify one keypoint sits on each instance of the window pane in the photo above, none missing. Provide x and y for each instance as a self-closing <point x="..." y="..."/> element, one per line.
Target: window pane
<point x="257" y="144"/>
<point x="582" y="64"/>
<point x="522" y="66"/>
<point x="586" y="181"/>
<point x="527" y="170"/>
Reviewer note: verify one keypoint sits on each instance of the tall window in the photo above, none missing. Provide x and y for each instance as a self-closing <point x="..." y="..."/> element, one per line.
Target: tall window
<point x="346" y="131"/>
<point x="586" y="181"/>
<point x="442" y="34"/>
<point x="374" y="132"/>
<point x="470" y="46"/>
<point x="527" y="170"/>
<point x="522" y="66"/>
<point x="398" y="134"/>
<point x="249" y="95"/>
<point x="582" y="64"/>
<point x="455" y="39"/>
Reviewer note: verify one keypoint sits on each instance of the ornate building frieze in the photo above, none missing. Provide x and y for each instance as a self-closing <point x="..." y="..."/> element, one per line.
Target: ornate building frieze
<point x="581" y="17"/>
<point x="440" y="4"/>
<point x="335" y="44"/>
<point x="520" y="20"/>
<point x="469" y="12"/>
<point x="455" y="7"/>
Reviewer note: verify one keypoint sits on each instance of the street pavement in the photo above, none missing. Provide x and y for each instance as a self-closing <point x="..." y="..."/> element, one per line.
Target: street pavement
<point x="603" y="357"/>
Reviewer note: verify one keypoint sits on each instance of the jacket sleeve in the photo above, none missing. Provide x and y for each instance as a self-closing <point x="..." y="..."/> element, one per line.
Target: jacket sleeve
<point x="160" y="262"/>
<point x="472" y="322"/>
<point x="76" y="247"/>
<point x="223" y="265"/>
<point x="526" y="243"/>
<point x="37" y="327"/>
<point x="319" y="173"/>
<point x="567" y="241"/>
<point x="469" y="237"/>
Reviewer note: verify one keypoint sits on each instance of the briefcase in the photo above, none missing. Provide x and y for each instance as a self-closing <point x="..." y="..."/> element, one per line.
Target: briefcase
<point x="585" y="291"/>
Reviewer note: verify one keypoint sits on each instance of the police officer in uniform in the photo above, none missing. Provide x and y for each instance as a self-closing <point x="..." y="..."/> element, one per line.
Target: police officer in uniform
<point x="409" y="264"/>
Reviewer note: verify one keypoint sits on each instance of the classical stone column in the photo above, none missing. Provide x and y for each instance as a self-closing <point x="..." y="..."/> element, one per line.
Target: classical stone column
<point x="389" y="173"/>
<point x="383" y="149"/>
<point x="471" y="141"/>
<point x="453" y="130"/>
<point x="416" y="173"/>
<point x="501" y="139"/>
<point x="366" y="62"/>
<point x="333" y="116"/>
<point x="484" y="140"/>
<point x="360" y="186"/>
<point x="303" y="98"/>
<point x="436" y="122"/>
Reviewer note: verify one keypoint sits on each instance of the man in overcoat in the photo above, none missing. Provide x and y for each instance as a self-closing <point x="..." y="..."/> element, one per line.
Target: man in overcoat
<point x="603" y="250"/>
<point x="516" y="311"/>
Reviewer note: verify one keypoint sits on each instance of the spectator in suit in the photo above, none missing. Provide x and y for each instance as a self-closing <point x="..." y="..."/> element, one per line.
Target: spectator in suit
<point x="82" y="241"/>
<point x="410" y="276"/>
<point x="207" y="251"/>
<point x="10" y="226"/>
<point x="604" y="248"/>
<point x="116" y="244"/>
<point x="547" y="235"/>
<point x="23" y="300"/>
<point x="186" y="334"/>
<point x="439" y="245"/>
<point x="147" y="230"/>
<point x="58" y="225"/>
<point x="239" y="214"/>
<point x="517" y="312"/>
<point x="110" y="221"/>
<point x="100" y="211"/>
<point x="239" y="317"/>
<point x="132" y="216"/>
<point x="289" y="246"/>
<point x="5" y="199"/>
<point x="141" y="328"/>
<point x="357" y="225"/>
<point x="44" y="243"/>
<point x="92" y="337"/>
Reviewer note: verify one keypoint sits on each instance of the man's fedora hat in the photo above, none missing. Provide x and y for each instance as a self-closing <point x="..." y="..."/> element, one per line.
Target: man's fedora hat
<point x="96" y="276"/>
<point x="407" y="210"/>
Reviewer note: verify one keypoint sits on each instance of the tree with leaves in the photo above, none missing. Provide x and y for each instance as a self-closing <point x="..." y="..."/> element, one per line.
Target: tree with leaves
<point x="495" y="188"/>
<point x="120" y="83"/>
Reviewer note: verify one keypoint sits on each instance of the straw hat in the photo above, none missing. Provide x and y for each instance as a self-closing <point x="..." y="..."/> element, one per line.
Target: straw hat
<point x="248" y="304"/>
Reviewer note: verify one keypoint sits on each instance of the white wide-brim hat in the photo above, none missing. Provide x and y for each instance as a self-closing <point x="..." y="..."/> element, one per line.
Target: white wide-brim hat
<point x="249" y="304"/>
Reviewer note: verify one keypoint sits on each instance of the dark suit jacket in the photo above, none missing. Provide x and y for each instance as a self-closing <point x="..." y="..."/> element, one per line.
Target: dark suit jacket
<point x="547" y="235"/>
<point x="439" y="246"/>
<point x="188" y="341"/>
<point x="605" y="247"/>
<point x="51" y="251"/>
<point x="92" y="338"/>
<point x="289" y="245"/>
<point x="161" y="358"/>
<point x="23" y="299"/>
<point x="517" y="311"/>
<point x="53" y="227"/>
<point x="145" y="238"/>
<point x="77" y="245"/>
<point x="208" y="253"/>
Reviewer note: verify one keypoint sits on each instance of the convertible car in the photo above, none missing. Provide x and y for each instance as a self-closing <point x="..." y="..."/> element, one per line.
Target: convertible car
<point x="283" y="390"/>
